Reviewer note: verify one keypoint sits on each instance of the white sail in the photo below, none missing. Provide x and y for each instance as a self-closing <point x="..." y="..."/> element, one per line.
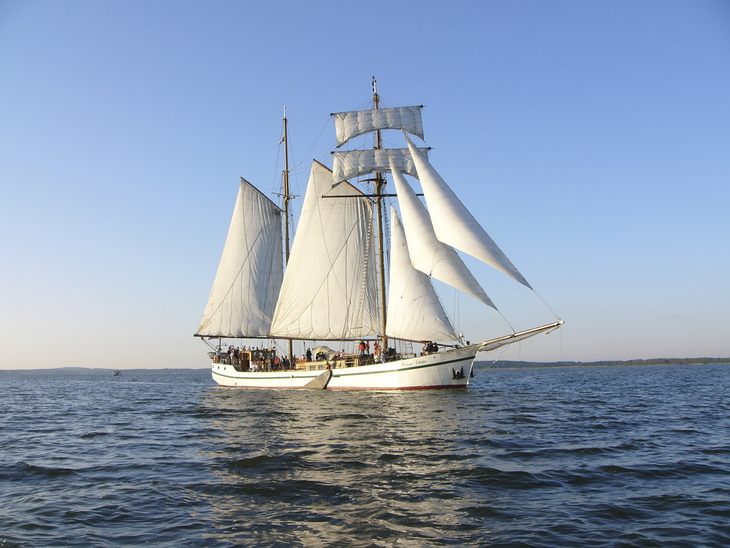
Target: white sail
<point x="428" y="254"/>
<point x="348" y="164"/>
<point x="356" y="122"/>
<point x="329" y="290"/>
<point x="414" y="310"/>
<point x="246" y="286"/>
<point x="453" y="223"/>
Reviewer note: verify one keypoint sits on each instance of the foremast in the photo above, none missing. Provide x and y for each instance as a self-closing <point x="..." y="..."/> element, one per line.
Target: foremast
<point x="379" y="185"/>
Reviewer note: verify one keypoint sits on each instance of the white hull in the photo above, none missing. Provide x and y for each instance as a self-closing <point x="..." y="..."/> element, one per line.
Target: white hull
<point x="446" y="369"/>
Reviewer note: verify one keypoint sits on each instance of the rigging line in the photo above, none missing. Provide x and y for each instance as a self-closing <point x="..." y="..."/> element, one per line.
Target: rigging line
<point x="365" y="105"/>
<point x="387" y="233"/>
<point x="277" y="174"/>
<point x="389" y="103"/>
<point x="499" y="312"/>
<point x="317" y="119"/>
<point x="494" y="312"/>
<point x="526" y="342"/>
<point x="484" y="370"/>
<point x="495" y="360"/>
<point x="456" y="321"/>
<point x="508" y="350"/>
<point x="528" y="292"/>
<point x="546" y="304"/>
<point x="366" y="264"/>
<point x="313" y="144"/>
<point x="207" y="343"/>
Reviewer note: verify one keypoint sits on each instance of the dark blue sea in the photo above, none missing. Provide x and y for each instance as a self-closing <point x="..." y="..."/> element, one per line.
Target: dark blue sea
<point x="558" y="457"/>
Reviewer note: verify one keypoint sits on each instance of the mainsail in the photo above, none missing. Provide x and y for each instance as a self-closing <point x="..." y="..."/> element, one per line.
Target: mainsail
<point x="246" y="286"/>
<point x="329" y="290"/>
<point x="414" y="310"/>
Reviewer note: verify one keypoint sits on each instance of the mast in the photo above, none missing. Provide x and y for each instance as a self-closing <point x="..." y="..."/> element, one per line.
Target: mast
<point x="287" y="198"/>
<point x="379" y="184"/>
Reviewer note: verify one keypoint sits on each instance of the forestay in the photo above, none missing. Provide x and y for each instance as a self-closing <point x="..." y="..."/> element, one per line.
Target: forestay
<point x="246" y="286"/>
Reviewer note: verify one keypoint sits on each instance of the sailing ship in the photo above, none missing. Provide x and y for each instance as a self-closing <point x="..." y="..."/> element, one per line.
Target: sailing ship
<point x="330" y="287"/>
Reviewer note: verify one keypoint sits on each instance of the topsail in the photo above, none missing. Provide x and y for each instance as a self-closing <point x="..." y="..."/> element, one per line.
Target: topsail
<point x="349" y="164"/>
<point x="353" y="123"/>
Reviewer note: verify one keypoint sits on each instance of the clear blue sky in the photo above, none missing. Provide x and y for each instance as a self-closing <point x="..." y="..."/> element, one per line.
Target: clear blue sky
<point x="591" y="139"/>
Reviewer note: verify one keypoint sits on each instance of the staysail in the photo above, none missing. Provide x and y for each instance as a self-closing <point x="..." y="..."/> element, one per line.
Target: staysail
<point x="454" y="224"/>
<point x="329" y="290"/>
<point x="246" y="286"/>
<point x="414" y="310"/>
<point x="428" y="254"/>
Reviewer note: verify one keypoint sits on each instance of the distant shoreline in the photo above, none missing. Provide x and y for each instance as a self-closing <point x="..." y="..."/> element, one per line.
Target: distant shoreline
<point x="506" y="364"/>
<point x="107" y="371"/>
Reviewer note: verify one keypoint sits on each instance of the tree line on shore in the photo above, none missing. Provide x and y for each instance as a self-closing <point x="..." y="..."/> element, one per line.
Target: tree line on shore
<point x="614" y="363"/>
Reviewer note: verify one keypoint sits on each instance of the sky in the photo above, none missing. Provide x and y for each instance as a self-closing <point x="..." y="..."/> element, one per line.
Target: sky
<point x="590" y="139"/>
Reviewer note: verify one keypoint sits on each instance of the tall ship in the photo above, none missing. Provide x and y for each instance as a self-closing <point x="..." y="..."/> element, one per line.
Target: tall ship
<point x="354" y="285"/>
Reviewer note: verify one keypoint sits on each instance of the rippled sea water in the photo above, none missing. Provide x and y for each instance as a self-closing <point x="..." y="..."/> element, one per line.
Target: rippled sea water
<point x="600" y="457"/>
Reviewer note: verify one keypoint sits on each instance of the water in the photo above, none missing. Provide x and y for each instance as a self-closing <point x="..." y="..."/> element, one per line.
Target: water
<point x="600" y="457"/>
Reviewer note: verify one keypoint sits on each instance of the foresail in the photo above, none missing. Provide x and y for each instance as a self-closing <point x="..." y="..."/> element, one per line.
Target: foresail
<point x="453" y="223"/>
<point x="246" y="286"/>
<point x="414" y="310"/>
<point x="329" y="289"/>
<point x="427" y="253"/>
<point x="348" y="164"/>
<point x="353" y="123"/>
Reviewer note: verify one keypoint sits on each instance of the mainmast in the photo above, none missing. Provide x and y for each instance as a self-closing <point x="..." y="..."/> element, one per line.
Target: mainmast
<point x="379" y="184"/>
<point x="287" y="198"/>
